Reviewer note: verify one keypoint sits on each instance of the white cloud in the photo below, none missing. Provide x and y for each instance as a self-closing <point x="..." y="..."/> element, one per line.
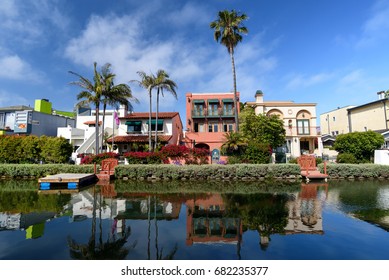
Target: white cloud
<point x="14" y="68"/>
<point x="30" y="22"/>
<point x="190" y="14"/>
<point x="8" y="99"/>
<point x="200" y="65"/>
<point x="376" y="27"/>
<point x="297" y="81"/>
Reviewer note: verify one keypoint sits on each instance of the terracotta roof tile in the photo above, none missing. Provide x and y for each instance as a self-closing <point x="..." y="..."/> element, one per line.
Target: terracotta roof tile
<point x="92" y="122"/>
<point x="161" y="115"/>
<point x="138" y="138"/>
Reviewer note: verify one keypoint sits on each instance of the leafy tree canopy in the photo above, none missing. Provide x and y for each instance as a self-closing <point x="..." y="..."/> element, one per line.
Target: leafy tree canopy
<point x="359" y="144"/>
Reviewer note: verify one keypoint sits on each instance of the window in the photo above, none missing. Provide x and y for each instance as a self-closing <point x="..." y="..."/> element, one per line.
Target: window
<point x="134" y="126"/>
<point x="227" y="109"/>
<point x="227" y="127"/>
<point x="333" y="118"/>
<point x="198" y="110"/>
<point x="303" y="127"/>
<point x="213" y="109"/>
<point x="199" y="127"/>
<point x="213" y="127"/>
<point x="159" y="125"/>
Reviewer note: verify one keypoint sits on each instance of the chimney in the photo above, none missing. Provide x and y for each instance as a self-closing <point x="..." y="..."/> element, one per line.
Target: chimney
<point x="381" y="95"/>
<point x="259" y="96"/>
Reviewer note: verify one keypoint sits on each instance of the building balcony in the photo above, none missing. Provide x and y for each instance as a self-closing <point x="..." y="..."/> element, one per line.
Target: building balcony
<point x="295" y="131"/>
<point x="220" y="113"/>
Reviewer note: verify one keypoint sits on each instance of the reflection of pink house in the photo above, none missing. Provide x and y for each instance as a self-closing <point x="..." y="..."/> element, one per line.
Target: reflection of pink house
<point x="209" y="116"/>
<point x="207" y="222"/>
<point x="132" y="133"/>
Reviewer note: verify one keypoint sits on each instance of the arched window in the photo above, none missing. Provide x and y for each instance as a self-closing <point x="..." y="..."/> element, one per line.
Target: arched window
<point x="303" y="122"/>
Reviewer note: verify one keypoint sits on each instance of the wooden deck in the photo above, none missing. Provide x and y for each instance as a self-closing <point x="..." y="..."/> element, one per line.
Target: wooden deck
<point x="309" y="170"/>
<point x="313" y="174"/>
<point x="66" y="181"/>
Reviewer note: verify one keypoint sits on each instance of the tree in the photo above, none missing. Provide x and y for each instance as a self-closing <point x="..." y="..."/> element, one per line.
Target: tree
<point x="262" y="128"/>
<point x="162" y="82"/>
<point x="147" y="82"/>
<point x="228" y="29"/>
<point x="234" y="142"/>
<point x="92" y="93"/>
<point x="359" y="144"/>
<point x="114" y="95"/>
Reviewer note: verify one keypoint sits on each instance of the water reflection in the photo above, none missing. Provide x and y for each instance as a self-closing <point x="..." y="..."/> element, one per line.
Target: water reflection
<point x="113" y="221"/>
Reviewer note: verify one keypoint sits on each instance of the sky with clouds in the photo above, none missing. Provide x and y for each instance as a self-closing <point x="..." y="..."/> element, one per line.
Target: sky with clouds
<point x="330" y="52"/>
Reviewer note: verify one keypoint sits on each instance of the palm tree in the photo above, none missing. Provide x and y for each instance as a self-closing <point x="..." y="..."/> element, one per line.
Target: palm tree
<point x="92" y="93"/>
<point x="162" y="82"/>
<point x="228" y="29"/>
<point x="234" y="142"/>
<point x="114" y="95"/>
<point x="147" y="82"/>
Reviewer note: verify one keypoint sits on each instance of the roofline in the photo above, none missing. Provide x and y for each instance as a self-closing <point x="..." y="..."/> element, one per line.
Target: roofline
<point x="367" y="104"/>
<point x="351" y="106"/>
<point x="280" y="103"/>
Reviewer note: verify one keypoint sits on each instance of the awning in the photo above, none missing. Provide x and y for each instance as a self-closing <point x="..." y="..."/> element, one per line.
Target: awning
<point x="133" y="123"/>
<point x="228" y="100"/>
<point x="198" y="101"/>
<point x="153" y="122"/>
<point x="213" y="100"/>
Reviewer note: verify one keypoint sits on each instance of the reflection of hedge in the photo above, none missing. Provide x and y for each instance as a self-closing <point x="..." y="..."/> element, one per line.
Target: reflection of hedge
<point x="201" y="172"/>
<point x="31" y="201"/>
<point x="198" y="186"/>
<point x="40" y="170"/>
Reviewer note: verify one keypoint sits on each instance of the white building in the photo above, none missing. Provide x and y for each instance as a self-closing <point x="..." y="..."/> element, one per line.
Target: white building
<point x="300" y="123"/>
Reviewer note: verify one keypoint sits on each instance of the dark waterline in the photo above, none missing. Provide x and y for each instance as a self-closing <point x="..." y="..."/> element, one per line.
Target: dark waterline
<point x="197" y="220"/>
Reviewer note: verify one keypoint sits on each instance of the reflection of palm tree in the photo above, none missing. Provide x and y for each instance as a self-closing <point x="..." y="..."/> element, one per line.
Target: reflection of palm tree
<point x="159" y="252"/>
<point x="112" y="249"/>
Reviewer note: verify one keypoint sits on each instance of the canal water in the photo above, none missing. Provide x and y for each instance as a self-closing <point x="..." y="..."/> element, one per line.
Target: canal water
<point x="197" y="221"/>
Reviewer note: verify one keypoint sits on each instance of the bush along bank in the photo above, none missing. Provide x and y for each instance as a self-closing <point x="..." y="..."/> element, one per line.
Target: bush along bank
<point x="356" y="171"/>
<point x="207" y="172"/>
<point x="200" y="172"/>
<point x="41" y="170"/>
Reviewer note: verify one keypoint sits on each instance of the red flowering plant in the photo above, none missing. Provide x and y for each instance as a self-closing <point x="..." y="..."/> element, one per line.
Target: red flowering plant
<point x="198" y="156"/>
<point x="143" y="157"/>
<point x="98" y="158"/>
<point x="174" y="152"/>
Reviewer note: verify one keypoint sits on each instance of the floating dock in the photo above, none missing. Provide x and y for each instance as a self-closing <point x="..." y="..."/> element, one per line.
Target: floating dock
<point x="66" y="181"/>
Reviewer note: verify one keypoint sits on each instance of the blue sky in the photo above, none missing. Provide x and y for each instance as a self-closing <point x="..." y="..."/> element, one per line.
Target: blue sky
<point x="330" y="52"/>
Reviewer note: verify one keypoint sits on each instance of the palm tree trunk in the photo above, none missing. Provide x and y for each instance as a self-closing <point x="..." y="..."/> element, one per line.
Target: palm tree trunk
<point x="103" y="123"/>
<point x="150" y="120"/>
<point x="97" y="129"/>
<point x="235" y="94"/>
<point x="156" y="121"/>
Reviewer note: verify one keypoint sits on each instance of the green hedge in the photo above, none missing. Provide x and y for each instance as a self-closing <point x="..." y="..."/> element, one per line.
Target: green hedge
<point x="201" y="172"/>
<point x="41" y="170"/>
<point x="368" y="170"/>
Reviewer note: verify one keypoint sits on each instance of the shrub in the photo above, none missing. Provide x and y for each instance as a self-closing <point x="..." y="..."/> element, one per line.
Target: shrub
<point x="33" y="149"/>
<point x="90" y="159"/>
<point x="143" y="157"/>
<point x="346" y="158"/>
<point x="359" y="144"/>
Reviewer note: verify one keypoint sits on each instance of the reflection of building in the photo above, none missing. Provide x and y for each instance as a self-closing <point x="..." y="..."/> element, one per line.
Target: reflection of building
<point x="305" y="211"/>
<point x="207" y="223"/>
<point x="142" y="208"/>
<point x="32" y="223"/>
